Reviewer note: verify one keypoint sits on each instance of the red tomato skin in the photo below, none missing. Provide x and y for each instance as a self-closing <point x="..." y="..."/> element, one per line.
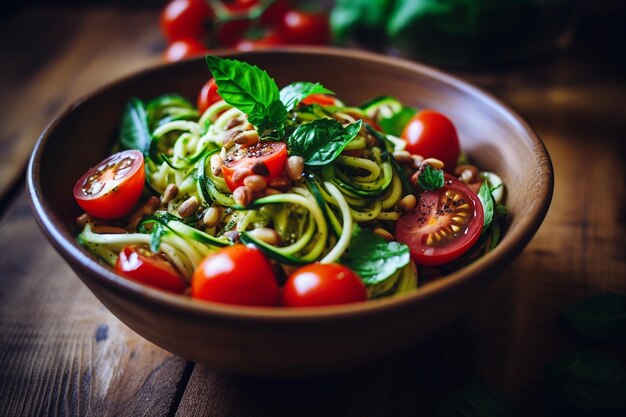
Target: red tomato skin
<point x="303" y="28"/>
<point x="238" y="275"/>
<point x="208" y="95"/>
<point x="185" y="19"/>
<point x="432" y="135"/>
<point x="154" y="272"/>
<point x="408" y="232"/>
<point x="119" y="199"/>
<point x="268" y="40"/>
<point x="183" y="49"/>
<point x="275" y="165"/>
<point x="321" y="285"/>
<point x="275" y="13"/>
<point x="321" y="99"/>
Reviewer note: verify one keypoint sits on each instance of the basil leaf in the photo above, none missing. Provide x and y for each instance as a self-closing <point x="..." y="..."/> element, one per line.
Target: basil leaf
<point x="155" y="236"/>
<point x="500" y="210"/>
<point x="249" y="89"/>
<point x="475" y="399"/>
<point x="431" y="179"/>
<point x="585" y="380"/>
<point x="292" y="94"/>
<point x="395" y="124"/>
<point x="134" y="133"/>
<point x="321" y="141"/>
<point x="373" y="258"/>
<point x="486" y="199"/>
<point x="349" y="16"/>
<point x="602" y="317"/>
<point x="407" y="14"/>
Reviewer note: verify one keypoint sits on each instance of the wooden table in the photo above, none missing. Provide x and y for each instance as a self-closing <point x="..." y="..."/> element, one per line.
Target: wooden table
<point x="62" y="352"/>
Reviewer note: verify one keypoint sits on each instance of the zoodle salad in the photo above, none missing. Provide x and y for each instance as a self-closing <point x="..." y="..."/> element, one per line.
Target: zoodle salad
<point x="285" y="197"/>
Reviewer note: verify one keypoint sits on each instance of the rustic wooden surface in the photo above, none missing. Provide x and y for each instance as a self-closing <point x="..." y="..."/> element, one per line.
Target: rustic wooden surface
<point x="63" y="353"/>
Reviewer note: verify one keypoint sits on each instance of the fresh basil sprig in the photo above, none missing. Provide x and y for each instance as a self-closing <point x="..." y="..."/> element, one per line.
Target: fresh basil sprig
<point x="373" y="258"/>
<point x="487" y="201"/>
<point x="294" y="93"/>
<point x="430" y="178"/>
<point x="321" y="141"/>
<point x="134" y="132"/>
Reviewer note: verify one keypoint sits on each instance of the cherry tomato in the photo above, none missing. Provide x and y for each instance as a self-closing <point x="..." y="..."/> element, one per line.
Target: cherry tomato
<point x="182" y="49"/>
<point x="141" y="265"/>
<point x="236" y="274"/>
<point x="111" y="189"/>
<point x="444" y="225"/>
<point x="185" y="19"/>
<point x="268" y="40"/>
<point x="321" y="285"/>
<point x="298" y="27"/>
<point x="321" y="99"/>
<point x="231" y="33"/>
<point x="208" y="96"/>
<point x="275" y="13"/>
<point x="432" y="135"/>
<point x="265" y="158"/>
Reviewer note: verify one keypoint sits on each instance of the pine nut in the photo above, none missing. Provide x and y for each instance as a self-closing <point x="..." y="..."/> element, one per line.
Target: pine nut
<point x="294" y="166"/>
<point x="255" y="183"/>
<point x="228" y="140"/>
<point x="233" y="123"/>
<point x="433" y="163"/>
<point x="267" y="235"/>
<point x="83" y="219"/>
<point x="281" y="183"/>
<point x="403" y="157"/>
<point x="170" y="193"/>
<point x="149" y="207"/>
<point x="188" y="207"/>
<point x="384" y="234"/>
<point x="272" y="191"/>
<point x="240" y="173"/>
<point x="247" y="138"/>
<point x="212" y="216"/>
<point x="407" y="203"/>
<point x="242" y="196"/>
<point x="108" y="230"/>
<point x="216" y="164"/>
<point x="467" y="173"/>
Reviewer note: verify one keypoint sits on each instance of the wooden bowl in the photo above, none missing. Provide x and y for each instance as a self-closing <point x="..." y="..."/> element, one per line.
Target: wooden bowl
<point x="302" y="342"/>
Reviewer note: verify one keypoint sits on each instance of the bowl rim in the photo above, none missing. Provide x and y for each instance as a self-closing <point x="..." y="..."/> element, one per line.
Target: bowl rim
<point x="508" y="248"/>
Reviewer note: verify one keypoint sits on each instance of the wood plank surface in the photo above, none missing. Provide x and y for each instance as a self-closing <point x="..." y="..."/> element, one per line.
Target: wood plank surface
<point x="62" y="353"/>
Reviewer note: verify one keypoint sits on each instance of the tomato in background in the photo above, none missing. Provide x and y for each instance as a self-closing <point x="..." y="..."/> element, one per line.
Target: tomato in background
<point x="185" y="19"/>
<point x="208" y="95"/>
<point x="183" y="49"/>
<point x="268" y="40"/>
<point x="271" y="155"/>
<point x="238" y="275"/>
<point x="432" y="135"/>
<point x="304" y="28"/>
<point x="321" y="285"/>
<point x="275" y="13"/>
<point x="141" y="265"/>
<point x="321" y="99"/>
<point x="446" y="224"/>
<point x="110" y="189"/>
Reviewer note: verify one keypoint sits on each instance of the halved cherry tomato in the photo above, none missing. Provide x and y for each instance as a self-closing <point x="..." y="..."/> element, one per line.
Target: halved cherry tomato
<point x="141" y="265"/>
<point x="264" y="158"/>
<point x="208" y="96"/>
<point x="321" y="99"/>
<point x="185" y="19"/>
<point x="299" y="27"/>
<point x="238" y="275"/>
<point x="432" y="135"/>
<point x="110" y="189"/>
<point x="182" y="49"/>
<point x="444" y="225"/>
<point x="268" y="40"/>
<point x="323" y="284"/>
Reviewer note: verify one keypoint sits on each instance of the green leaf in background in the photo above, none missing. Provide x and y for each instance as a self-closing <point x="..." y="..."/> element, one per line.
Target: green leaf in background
<point x="373" y="258"/>
<point x="349" y="15"/>
<point x="321" y="141"/>
<point x="268" y="117"/>
<point x="602" y="317"/>
<point x="155" y="237"/>
<point x="406" y="13"/>
<point x="587" y="381"/>
<point x="292" y="94"/>
<point x="475" y="399"/>
<point x="395" y="124"/>
<point x="134" y="132"/>
<point x="484" y="194"/>
<point x="431" y="179"/>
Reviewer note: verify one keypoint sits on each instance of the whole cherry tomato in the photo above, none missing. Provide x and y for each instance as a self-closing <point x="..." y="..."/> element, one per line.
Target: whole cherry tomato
<point x="321" y="285"/>
<point x="110" y="189"/>
<point x="446" y="224"/>
<point x="208" y="95"/>
<point x="268" y="157"/>
<point x="432" y="135"/>
<point x="238" y="275"/>
<point x="275" y="13"/>
<point x="182" y="49"/>
<point x="298" y="27"/>
<point x="185" y="19"/>
<point x="268" y="40"/>
<point x="141" y="265"/>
